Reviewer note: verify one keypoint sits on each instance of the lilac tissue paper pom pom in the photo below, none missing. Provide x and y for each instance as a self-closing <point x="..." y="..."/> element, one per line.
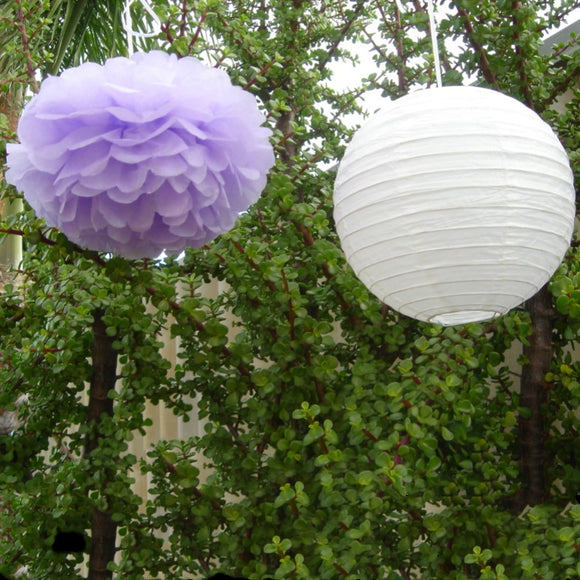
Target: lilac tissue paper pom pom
<point x="141" y="154"/>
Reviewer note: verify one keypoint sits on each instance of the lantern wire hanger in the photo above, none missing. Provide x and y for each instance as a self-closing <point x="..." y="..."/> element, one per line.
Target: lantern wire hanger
<point x="433" y="29"/>
<point x="127" y="22"/>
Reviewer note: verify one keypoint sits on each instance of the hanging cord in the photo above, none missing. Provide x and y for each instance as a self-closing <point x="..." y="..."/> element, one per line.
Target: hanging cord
<point x="399" y="6"/>
<point x="127" y="22"/>
<point x="433" y="29"/>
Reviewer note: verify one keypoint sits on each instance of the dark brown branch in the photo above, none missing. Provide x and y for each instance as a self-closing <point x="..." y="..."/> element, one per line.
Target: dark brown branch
<point x="183" y="24"/>
<point x="227" y="353"/>
<point x="340" y="569"/>
<point x="289" y="150"/>
<point x="341" y="36"/>
<point x="260" y="73"/>
<point x="402" y="83"/>
<point x="397" y="32"/>
<point x="568" y="82"/>
<point x="30" y="68"/>
<point x="488" y="73"/>
<point x="103" y="527"/>
<point x="521" y="57"/>
<point x="197" y="32"/>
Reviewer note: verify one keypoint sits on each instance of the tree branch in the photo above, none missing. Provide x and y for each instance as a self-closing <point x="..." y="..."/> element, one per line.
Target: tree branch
<point x="340" y="37"/>
<point x="30" y="68"/>
<point x="521" y="57"/>
<point x="488" y="73"/>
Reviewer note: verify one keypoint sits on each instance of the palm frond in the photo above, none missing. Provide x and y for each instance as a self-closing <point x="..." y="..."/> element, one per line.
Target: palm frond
<point x="86" y="31"/>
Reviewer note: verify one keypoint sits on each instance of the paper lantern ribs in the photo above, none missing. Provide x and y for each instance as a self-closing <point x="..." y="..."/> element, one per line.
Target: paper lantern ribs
<point x="455" y="204"/>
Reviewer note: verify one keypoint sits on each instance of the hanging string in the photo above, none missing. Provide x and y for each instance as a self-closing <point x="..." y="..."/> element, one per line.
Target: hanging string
<point x="128" y="26"/>
<point x="127" y="22"/>
<point x="435" y="44"/>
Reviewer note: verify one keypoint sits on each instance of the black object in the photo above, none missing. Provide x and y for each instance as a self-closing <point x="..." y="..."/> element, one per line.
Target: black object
<point x="221" y="576"/>
<point x="68" y="543"/>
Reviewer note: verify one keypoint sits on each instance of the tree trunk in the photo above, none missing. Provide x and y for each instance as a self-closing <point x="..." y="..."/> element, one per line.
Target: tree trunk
<point x="533" y="398"/>
<point x="103" y="528"/>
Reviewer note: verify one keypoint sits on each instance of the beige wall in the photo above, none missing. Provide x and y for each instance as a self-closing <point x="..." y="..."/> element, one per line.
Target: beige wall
<point x="166" y="425"/>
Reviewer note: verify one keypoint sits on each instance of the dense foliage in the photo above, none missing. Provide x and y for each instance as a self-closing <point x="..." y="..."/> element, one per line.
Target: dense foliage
<point x="344" y="440"/>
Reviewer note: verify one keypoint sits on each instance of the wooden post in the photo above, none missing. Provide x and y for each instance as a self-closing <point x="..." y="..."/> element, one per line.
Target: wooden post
<point x="11" y="247"/>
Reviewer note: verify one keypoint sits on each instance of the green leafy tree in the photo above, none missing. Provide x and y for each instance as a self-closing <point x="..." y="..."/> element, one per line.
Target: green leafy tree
<point x="343" y="440"/>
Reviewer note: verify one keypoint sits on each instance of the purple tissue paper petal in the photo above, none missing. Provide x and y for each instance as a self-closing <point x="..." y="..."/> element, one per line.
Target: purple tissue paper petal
<point x="142" y="154"/>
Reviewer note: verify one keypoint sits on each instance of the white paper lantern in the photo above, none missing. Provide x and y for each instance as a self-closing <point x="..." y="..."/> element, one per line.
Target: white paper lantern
<point x="454" y="204"/>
